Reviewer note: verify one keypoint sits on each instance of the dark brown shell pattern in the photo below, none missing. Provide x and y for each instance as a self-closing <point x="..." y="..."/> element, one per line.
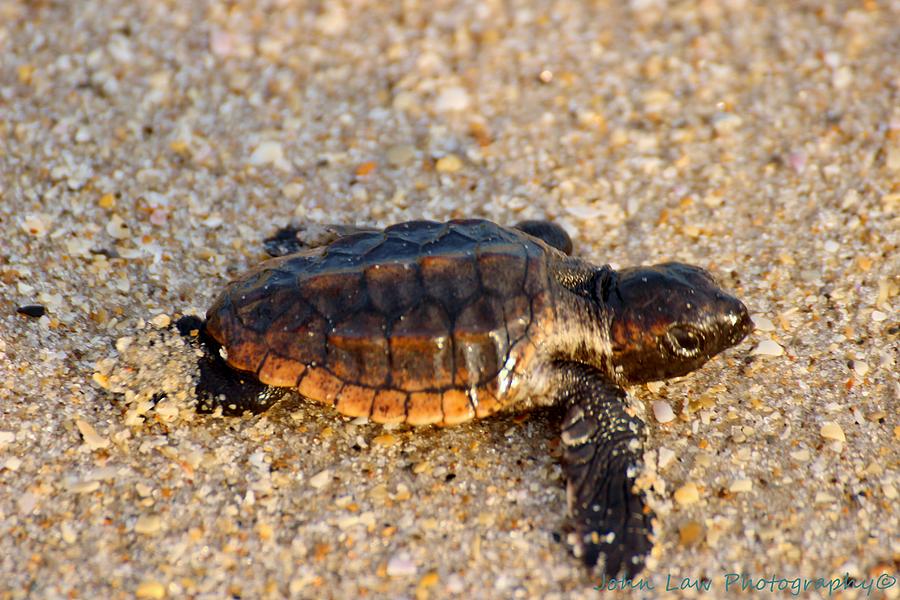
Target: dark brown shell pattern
<point x="421" y="323"/>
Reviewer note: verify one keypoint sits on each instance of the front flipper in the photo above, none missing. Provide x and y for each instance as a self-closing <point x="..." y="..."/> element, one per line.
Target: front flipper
<point x="551" y="233"/>
<point x="219" y="384"/>
<point x="602" y="458"/>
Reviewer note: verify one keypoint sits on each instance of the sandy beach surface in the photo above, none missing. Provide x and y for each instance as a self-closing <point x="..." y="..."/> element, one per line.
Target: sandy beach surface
<point x="147" y="148"/>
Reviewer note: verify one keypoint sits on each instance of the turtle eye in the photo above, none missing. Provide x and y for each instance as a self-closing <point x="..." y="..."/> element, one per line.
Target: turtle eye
<point x="684" y="340"/>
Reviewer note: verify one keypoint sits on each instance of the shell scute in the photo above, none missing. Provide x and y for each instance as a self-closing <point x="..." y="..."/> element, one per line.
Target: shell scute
<point x="421" y="349"/>
<point x="280" y="371"/>
<point x="478" y="345"/>
<point x="450" y="279"/>
<point x="502" y="269"/>
<point x="424" y="408"/>
<point x="333" y="294"/>
<point x="393" y="287"/>
<point x="389" y="406"/>
<point x="299" y="334"/>
<point x="456" y="407"/>
<point x="264" y="301"/>
<point x="320" y="385"/>
<point x="357" y="349"/>
<point x="355" y="401"/>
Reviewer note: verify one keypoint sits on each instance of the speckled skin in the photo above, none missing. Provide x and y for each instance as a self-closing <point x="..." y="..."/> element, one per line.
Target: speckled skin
<point x="429" y="322"/>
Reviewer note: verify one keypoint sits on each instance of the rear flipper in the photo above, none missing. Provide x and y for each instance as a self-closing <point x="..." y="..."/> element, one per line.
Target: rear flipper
<point x="602" y="458"/>
<point x="291" y="239"/>
<point x="220" y="385"/>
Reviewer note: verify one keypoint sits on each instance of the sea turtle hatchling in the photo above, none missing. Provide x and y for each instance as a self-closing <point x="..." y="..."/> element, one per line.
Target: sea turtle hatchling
<point x="439" y="323"/>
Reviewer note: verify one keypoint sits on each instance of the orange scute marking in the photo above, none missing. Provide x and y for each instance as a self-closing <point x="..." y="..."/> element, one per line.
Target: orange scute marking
<point x="456" y="407"/>
<point x="246" y="352"/>
<point x="390" y="407"/>
<point x="280" y="371"/>
<point x="355" y="401"/>
<point x="424" y="408"/>
<point x="320" y="385"/>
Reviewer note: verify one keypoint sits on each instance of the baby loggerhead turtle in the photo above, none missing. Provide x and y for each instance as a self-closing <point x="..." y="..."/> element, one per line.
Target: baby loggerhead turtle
<point x="438" y="323"/>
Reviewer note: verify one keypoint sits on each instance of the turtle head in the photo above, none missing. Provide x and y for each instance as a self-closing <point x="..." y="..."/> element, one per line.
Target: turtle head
<point x="667" y="320"/>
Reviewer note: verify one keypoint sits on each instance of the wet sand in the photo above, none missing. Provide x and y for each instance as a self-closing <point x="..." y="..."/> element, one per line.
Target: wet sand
<point x="146" y="149"/>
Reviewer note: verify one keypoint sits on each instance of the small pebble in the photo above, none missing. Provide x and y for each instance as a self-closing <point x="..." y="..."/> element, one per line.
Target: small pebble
<point x="832" y="431"/>
<point x="150" y="589"/>
<point x="117" y="228"/>
<point x="333" y="20"/>
<point x="268" y="153"/>
<point x="800" y="455"/>
<point x="91" y="438"/>
<point x="37" y="224"/>
<point x="365" y="168"/>
<point x="455" y="584"/>
<point x="687" y="494"/>
<point x="85" y="487"/>
<point x="452" y="99"/>
<point x="448" y="164"/>
<point x="666" y="457"/>
<point x="167" y="411"/>
<point x="763" y="324"/>
<point x="401" y="155"/>
<point x="842" y="78"/>
<point x="860" y="368"/>
<point x="347" y="522"/>
<point x="403" y="493"/>
<point x="148" y="525"/>
<point x="161" y="321"/>
<point x="768" y="348"/>
<point x="68" y="533"/>
<point x="7" y="437"/>
<point x="430" y="579"/>
<point x="83" y="135"/>
<point x="401" y="565"/>
<point x="878" y="316"/>
<point x="725" y="123"/>
<point x="293" y="190"/>
<point x="655" y="386"/>
<point x="662" y="411"/>
<point x="26" y="503"/>
<point x="265" y="531"/>
<point x="385" y="440"/>
<point x="321" y="479"/>
<point x="690" y="533"/>
<point x="123" y="343"/>
<point x="32" y="310"/>
<point x="741" y="485"/>
<point x="101" y="380"/>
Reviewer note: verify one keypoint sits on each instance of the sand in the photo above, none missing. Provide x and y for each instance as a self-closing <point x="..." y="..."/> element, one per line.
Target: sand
<point x="147" y="148"/>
